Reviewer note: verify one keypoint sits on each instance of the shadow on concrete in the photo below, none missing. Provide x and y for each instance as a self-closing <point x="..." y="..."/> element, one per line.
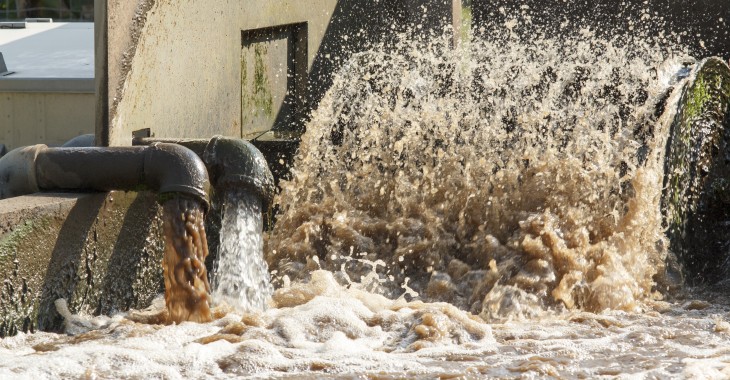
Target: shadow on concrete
<point x="64" y="273"/>
<point x="104" y="262"/>
<point x="357" y="26"/>
<point x="700" y="25"/>
<point x="127" y="283"/>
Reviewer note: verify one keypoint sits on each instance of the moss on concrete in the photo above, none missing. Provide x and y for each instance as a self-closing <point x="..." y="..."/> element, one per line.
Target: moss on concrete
<point x="10" y="242"/>
<point x="697" y="171"/>
<point x="263" y="99"/>
<point x="257" y="99"/>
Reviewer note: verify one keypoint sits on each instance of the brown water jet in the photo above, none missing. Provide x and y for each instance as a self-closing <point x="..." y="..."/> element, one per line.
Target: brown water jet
<point x="187" y="291"/>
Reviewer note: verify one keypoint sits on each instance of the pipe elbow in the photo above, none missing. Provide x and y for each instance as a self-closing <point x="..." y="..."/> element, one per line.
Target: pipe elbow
<point x="236" y="163"/>
<point x="18" y="171"/>
<point x="171" y="168"/>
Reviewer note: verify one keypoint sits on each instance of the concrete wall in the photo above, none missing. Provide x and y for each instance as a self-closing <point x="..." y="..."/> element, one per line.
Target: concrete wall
<point x="237" y="68"/>
<point x="100" y="252"/>
<point x="702" y="23"/>
<point x="29" y="118"/>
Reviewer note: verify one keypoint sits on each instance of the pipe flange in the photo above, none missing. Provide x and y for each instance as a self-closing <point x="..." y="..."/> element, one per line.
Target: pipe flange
<point x="18" y="171"/>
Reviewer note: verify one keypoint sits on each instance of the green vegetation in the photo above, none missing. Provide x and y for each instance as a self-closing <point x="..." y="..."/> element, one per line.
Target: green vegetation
<point x="261" y="87"/>
<point x="698" y="96"/>
<point x="9" y="243"/>
<point x="696" y="171"/>
<point x="256" y="97"/>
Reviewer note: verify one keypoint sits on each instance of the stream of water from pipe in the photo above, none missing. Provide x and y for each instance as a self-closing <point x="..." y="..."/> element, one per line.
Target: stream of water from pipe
<point x="241" y="275"/>
<point x="187" y="292"/>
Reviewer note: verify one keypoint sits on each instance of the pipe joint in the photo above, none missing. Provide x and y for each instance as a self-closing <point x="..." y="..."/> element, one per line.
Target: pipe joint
<point x="231" y="163"/>
<point x="236" y="163"/>
<point x="171" y="168"/>
<point x="18" y="171"/>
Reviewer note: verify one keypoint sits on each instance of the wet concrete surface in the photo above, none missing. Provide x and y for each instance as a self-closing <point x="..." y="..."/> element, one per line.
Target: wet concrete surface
<point x="101" y="252"/>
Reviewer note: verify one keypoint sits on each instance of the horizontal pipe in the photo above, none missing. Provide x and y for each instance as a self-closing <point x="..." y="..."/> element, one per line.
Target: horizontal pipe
<point x="162" y="168"/>
<point x="90" y="168"/>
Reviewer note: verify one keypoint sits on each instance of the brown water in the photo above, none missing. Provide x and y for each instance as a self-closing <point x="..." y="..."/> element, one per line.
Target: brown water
<point x="187" y="292"/>
<point x="502" y="178"/>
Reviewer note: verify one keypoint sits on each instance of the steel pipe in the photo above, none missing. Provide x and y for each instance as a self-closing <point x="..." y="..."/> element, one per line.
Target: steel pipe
<point x="162" y="168"/>
<point x="230" y="162"/>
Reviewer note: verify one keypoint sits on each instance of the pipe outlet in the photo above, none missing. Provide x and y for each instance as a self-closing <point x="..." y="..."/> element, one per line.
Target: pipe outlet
<point x="237" y="163"/>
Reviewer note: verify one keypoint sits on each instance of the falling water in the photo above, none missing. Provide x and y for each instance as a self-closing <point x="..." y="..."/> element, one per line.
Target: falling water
<point x="187" y="292"/>
<point x="242" y="276"/>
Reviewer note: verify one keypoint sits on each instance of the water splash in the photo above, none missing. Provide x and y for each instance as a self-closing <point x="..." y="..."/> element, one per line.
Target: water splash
<point x="241" y="275"/>
<point x="535" y="166"/>
<point x="509" y="178"/>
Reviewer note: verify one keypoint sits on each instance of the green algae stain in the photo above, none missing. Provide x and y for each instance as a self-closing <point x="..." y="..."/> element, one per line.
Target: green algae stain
<point x="245" y="96"/>
<point x="698" y="95"/>
<point x="263" y="99"/>
<point x="698" y="127"/>
<point x="10" y="243"/>
<point x="257" y="100"/>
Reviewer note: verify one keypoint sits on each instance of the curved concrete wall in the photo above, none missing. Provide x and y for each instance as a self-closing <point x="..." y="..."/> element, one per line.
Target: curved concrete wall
<point x="100" y="252"/>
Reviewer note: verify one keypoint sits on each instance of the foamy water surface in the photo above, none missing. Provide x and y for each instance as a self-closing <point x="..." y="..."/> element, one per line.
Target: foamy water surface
<point x="327" y="331"/>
